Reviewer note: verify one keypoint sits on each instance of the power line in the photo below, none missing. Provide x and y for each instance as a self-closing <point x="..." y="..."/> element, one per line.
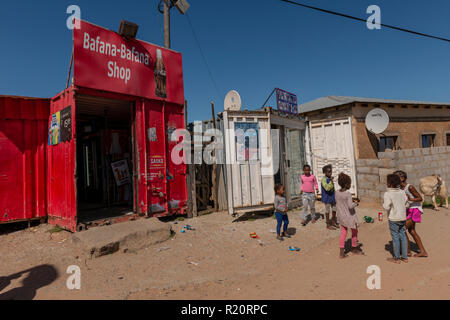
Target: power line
<point x="203" y="56"/>
<point x="364" y="20"/>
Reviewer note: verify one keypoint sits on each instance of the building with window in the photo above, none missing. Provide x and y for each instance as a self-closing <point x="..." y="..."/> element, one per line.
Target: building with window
<point x="338" y="134"/>
<point x="413" y="124"/>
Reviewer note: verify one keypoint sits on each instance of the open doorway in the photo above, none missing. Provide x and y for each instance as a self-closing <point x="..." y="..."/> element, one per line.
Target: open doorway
<point x="105" y="158"/>
<point x="278" y="152"/>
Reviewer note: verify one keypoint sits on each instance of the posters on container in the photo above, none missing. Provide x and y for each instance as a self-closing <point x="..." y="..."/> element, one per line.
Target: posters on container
<point x="66" y="124"/>
<point x="54" y="134"/>
<point x="121" y="172"/>
<point x="60" y="127"/>
<point x="247" y="135"/>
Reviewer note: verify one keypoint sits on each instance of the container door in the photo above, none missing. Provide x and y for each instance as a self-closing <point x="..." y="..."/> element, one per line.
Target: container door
<point x="176" y="170"/>
<point x="61" y="155"/>
<point x="332" y="143"/>
<point x="296" y="159"/>
<point x="156" y="158"/>
<point x="249" y="186"/>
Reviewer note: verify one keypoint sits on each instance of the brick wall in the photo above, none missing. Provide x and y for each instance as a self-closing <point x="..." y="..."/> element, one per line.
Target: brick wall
<point x="417" y="163"/>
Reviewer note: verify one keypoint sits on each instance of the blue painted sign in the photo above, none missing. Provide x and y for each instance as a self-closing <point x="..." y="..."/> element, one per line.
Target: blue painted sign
<point x="287" y="102"/>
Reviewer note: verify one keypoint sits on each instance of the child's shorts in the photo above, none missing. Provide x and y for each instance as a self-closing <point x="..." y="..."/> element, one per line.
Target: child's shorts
<point x="414" y="214"/>
<point x="330" y="207"/>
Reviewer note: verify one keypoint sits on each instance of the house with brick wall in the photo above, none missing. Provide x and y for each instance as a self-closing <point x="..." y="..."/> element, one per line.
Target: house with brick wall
<point x="338" y="136"/>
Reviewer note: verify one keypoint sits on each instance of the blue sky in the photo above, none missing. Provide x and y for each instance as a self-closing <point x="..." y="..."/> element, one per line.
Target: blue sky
<point x="251" y="46"/>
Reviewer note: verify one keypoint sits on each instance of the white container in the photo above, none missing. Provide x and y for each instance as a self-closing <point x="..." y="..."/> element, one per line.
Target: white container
<point x="332" y="143"/>
<point x="254" y="167"/>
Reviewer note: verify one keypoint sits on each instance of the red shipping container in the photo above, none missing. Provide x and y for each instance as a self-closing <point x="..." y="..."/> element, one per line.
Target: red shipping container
<point x="23" y="134"/>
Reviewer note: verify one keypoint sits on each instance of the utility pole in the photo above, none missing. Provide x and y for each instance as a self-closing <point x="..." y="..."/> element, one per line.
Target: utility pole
<point x="167" y="23"/>
<point x="181" y="5"/>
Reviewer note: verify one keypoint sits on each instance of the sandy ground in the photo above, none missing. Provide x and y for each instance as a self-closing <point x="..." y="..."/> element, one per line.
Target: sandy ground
<point x="219" y="260"/>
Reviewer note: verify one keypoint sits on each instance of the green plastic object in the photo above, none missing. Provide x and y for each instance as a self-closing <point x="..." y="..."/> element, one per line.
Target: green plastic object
<point x="369" y="219"/>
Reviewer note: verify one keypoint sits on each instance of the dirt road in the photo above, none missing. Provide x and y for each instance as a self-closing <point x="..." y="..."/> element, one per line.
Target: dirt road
<point x="219" y="260"/>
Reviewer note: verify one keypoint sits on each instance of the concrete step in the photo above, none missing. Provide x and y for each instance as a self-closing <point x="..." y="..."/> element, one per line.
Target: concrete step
<point x="132" y="235"/>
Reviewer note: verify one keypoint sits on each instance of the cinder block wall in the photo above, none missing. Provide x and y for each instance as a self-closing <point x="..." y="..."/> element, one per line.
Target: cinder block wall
<point x="417" y="163"/>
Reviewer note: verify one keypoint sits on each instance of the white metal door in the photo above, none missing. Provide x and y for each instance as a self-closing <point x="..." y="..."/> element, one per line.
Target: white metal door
<point x="249" y="185"/>
<point x="332" y="143"/>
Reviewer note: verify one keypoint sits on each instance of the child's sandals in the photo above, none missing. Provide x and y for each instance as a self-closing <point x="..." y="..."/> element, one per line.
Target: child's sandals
<point x="357" y="252"/>
<point x="393" y="260"/>
<point x="285" y="235"/>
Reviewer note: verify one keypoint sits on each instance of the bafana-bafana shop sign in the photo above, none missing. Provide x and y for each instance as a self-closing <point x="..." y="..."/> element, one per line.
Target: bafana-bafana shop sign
<point x="103" y="60"/>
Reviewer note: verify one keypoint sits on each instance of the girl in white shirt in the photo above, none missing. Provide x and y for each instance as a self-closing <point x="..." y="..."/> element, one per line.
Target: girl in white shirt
<point x="413" y="214"/>
<point x="395" y="204"/>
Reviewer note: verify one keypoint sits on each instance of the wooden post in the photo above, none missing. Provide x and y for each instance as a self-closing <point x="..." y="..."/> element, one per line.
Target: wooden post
<point x="193" y="190"/>
<point x="215" y="182"/>
<point x="190" y="175"/>
<point x="188" y="166"/>
<point x="167" y="5"/>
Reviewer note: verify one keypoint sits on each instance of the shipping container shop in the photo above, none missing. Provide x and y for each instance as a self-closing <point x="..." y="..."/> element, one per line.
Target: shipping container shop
<point x="111" y="133"/>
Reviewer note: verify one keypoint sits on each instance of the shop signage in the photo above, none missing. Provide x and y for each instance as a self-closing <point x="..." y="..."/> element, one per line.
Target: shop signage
<point x="66" y="124"/>
<point x="104" y="60"/>
<point x="287" y="102"/>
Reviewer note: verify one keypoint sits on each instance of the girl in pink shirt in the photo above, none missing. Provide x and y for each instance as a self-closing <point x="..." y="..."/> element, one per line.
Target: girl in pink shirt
<point x="309" y="189"/>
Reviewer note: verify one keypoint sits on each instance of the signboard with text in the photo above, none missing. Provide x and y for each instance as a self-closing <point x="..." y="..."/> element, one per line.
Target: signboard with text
<point x="103" y="60"/>
<point x="287" y="102"/>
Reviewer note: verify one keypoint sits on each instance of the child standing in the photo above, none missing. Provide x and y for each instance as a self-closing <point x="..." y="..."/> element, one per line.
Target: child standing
<point x="413" y="214"/>
<point x="347" y="215"/>
<point x="395" y="204"/>
<point x="309" y="189"/>
<point x="328" y="197"/>
<point x="281" y="212"/>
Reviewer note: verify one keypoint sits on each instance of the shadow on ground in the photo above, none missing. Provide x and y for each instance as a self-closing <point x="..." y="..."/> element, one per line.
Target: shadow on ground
<point x="390" y="248"/>
<point x="348" y="246"/>
<point x="253" y="216"/>
<point x="36" y="278"/>
<point x="9" y="228"/>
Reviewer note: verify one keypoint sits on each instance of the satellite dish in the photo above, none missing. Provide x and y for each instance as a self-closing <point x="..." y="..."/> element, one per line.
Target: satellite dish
<point x="233" y="101"/>
<point x="377" y="121"/>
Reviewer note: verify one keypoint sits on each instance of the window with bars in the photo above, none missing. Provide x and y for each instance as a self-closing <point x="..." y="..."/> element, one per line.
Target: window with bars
<point x="387" y="143"/>
<point x="428" y="140"/>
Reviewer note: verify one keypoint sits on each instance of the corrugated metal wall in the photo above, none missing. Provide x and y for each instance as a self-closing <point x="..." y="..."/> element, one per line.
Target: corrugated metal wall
<point x="23" y="138"/>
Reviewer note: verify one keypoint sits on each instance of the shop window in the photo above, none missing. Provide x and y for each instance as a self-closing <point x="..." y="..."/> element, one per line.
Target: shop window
<point x="428" y="140"/>
<point x="387" y="143"/>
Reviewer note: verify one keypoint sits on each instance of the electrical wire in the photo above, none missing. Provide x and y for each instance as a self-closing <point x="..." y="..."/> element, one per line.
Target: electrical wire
<point x="364" y="20"/>
<point x="203" y="56"/>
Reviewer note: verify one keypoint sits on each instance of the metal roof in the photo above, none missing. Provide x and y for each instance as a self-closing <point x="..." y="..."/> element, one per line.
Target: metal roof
<point x="334" y="101"/>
